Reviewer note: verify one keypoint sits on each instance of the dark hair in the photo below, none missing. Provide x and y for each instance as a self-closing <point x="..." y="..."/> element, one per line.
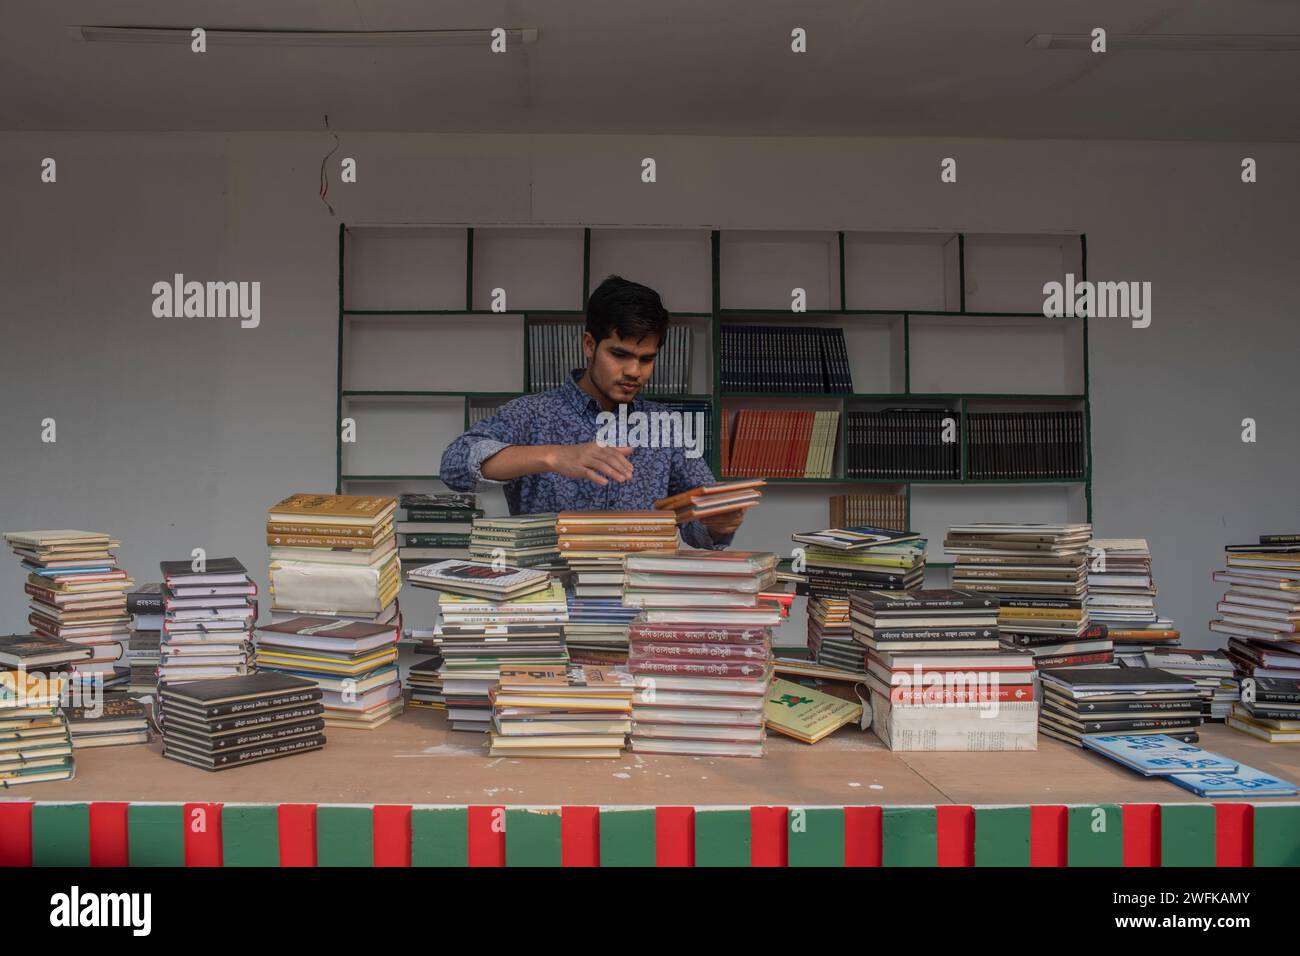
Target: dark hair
<point x="631" y="309"/>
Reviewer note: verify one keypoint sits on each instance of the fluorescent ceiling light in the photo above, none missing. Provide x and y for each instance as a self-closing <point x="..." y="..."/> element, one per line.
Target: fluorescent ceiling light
<point x="1202" y="42"/>
<point x="344" y="38"/>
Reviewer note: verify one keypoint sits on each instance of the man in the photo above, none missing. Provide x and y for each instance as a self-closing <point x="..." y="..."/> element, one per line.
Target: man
<point x="544" y="447"/>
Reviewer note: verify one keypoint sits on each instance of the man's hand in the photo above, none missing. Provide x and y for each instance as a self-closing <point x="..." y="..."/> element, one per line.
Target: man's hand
<point x="723" y="524"/>
<point x="592" y="461"/>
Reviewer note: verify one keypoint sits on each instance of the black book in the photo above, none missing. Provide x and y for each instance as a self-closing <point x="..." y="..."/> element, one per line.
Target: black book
<point x="221" y="725"/>
<point x="924" y="600"/>
<point x="935" y="634"/>
<point x="1117" y="680"/>
<point x="1051" y="602"/>
<point x="29" y="650"/>
<point x="1265" y="712"/>
<point x="1122" y="726"/>
<point x="1277" y="690"/>
<point x="234" y="695"/>
<point x="1279" y="539"/>
<point x="178" y="571"/>
<point x="1084" y="708"/>
<point x="146" y="599"/>
<point x="242" y="739"/>
<point x="226" y="759"/>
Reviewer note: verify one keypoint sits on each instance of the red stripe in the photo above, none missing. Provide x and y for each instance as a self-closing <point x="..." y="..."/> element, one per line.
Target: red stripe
<point x="769" y="837"/>
<point x="391" y="826"/>
<point x="297" y="834"/>
<point x="15" y="834"/>
<point x="1234" y="834"/>
<point x="580" y="836"/>
<point x="955" y="834"/>
<point x="487" y="836"/>
<point x="1047" y="836"/>
<point x="862" y="846"/>
<point x="202" y="824"/>
<point x="108" y="839"/>
<point x="674" y="836"/>
<point x="1141" y="834"/>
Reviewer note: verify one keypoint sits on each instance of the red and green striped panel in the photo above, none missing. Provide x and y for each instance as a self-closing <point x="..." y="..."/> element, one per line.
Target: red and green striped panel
<point x="210" y="834"/>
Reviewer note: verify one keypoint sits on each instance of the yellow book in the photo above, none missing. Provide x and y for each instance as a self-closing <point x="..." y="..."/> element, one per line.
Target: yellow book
<point x="804" y="713"/>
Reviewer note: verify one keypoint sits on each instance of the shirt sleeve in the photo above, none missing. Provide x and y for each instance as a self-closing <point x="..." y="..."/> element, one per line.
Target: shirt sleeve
<point x="462" y="462"/>
<point x="688" y="473"/>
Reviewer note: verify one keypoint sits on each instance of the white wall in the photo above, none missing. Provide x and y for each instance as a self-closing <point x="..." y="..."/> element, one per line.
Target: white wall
<point x="176" y="433"/>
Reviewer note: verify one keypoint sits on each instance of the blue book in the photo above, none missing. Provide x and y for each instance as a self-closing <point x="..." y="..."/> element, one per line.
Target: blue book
<point x="1158" y="754"/>
<point x="1246" y="782"/>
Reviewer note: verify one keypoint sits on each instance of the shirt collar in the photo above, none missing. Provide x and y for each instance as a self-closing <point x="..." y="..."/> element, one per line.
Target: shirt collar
<point x="582" y="402"/>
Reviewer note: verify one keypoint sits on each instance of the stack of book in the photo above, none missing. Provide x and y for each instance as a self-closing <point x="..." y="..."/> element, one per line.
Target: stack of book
<point x="593" y="544"/>
<point x="700" y="651"/>
<point x="708" y="500"/>
<point x="878" y="511"/>
<point x="1121" y="595"/>
<point x="1038" y="574"/>
<point x="1082" y="702"/>
<point x="112" y="719"/>
<point x="1211" y="670"/>
<point x="840" y="560"/>
<point x="334" y="564"/>
<point x="830" y="635"/>
<point x="478" y="637"/>
<point x="77" y="593"/>
<point x="436" y="526"/>
<point x="520" y="541"/>
<point x="209" y="610"/>
<point x="143" y="653"/>
<point x="1269" y="710"/>
<point x="937" y="675"/>
<point x="35" y="746"/>
<point x="353" y="662"/>
<point x="561" y="711"/>
<point x="1260" y="612"/>
<point x="424" y="684"/>
<point x="226" y="723"/>
<point x="334" y="555"/>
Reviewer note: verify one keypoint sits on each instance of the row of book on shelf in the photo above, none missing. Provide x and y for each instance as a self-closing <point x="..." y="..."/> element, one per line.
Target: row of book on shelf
<point x="555" y="348"/>
<point x="581" y="633"/>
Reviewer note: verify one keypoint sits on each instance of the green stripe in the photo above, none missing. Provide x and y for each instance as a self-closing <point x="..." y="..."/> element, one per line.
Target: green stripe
<point x="156" y="834"/>
<point x="1187" y="836"/>
<point x="1277" y="835"/>
<point x="250" y="836"/>
<point x="440" y="836"/>
<point x="532" y="837"/>
<point x="722" y="837"/>
<point x="61" y="834"/>
<point x="908" y="837"/>
<point x="1002" y="836"/>
<point x="345" y="836"/>
<point x="627" y="837"/>
<point x="816" y="837"/>
<point x="1095" y="835"/>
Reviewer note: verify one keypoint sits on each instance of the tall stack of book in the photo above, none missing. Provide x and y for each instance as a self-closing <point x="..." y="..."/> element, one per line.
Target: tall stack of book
<point x="1260" y="615"/>
<point x="489" y="618"/>
<point x="143" y="649"/>
<point x="520" y="541"/>
<point x="353" y="662"/>
<point x="830" y="635"/>
<point x="1038" y="574"/>
<point x="877" y="511"/>
<point x="1211" y="670"/>
<point x="938" y="677"/>
<point x="593" y="544"/>
<point x="35" y="745"/>
<point x="840" y="560"/>
<point x="219" y="724"/>
<point x="1081" y="702"/>
<point x="334" y="561"/>
<point x="77" y="593"/>
<point x="561" y="711"/>
<point x="424" y="684"/>
<point x="1121" y="595"/>
<point x="700" y="651"/>
<point x="209" y="609"/>
<point x="436" y="526"/>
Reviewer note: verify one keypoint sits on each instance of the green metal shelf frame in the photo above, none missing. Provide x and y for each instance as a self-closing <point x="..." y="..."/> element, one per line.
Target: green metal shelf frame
<point x="717" y="397"/>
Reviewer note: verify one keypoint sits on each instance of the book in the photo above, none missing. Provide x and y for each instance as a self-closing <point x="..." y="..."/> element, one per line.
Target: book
<point x="1244" y="782"/>
<point x="855" y="538"/>
<point x="806" y="714"/>
<point x="479" y="579"/>
<point x="1158" y="754"/>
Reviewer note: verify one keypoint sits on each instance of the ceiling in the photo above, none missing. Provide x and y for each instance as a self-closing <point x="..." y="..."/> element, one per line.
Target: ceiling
<point x="724" y="67"/>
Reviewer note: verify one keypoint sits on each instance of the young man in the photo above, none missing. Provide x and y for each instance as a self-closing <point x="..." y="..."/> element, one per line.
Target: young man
<point x="544" y="447"/>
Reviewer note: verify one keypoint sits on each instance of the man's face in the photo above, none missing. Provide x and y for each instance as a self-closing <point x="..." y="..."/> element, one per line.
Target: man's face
<point x="619" y="368"/>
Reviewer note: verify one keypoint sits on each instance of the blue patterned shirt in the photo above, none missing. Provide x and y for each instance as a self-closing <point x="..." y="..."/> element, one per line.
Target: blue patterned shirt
<point x="568" y="416"/>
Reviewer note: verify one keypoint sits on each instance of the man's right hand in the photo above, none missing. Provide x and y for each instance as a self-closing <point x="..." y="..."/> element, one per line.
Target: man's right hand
<point x="592" y="461"/>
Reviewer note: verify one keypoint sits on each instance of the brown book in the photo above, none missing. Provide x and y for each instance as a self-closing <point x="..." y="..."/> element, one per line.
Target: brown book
<point x="700" y="495"/>
<point x="333" y="509"/>
<point x="310" y="528"/>
<point x="322" y="541"/>
<point x="627" y="543"/>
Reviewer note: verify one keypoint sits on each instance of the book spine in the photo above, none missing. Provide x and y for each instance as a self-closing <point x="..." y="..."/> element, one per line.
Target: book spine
<point x="322" y="530"/>
<point x="737" y="669"/>
<point x="268" y="735"/>
<point x="1279" y="539"/>
<point x="1142" y="723"/>
<point x="319" y="541"/>
<point x="696" y="634"/>
<point x="435" y="540"/>
<point x="1073" y="660"/>
<point x="258" y="720"/>
<point x="271" y="750"/>
<point x="936" y="634"/>
<point x="438" y="514"/>
<point x="239" y="707"/>
<point x="880" y="603"/>
<point x="703" y="652"/>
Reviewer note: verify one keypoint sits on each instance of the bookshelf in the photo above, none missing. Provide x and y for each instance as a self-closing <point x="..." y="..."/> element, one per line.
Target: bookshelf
<point x="930" y="320"/>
